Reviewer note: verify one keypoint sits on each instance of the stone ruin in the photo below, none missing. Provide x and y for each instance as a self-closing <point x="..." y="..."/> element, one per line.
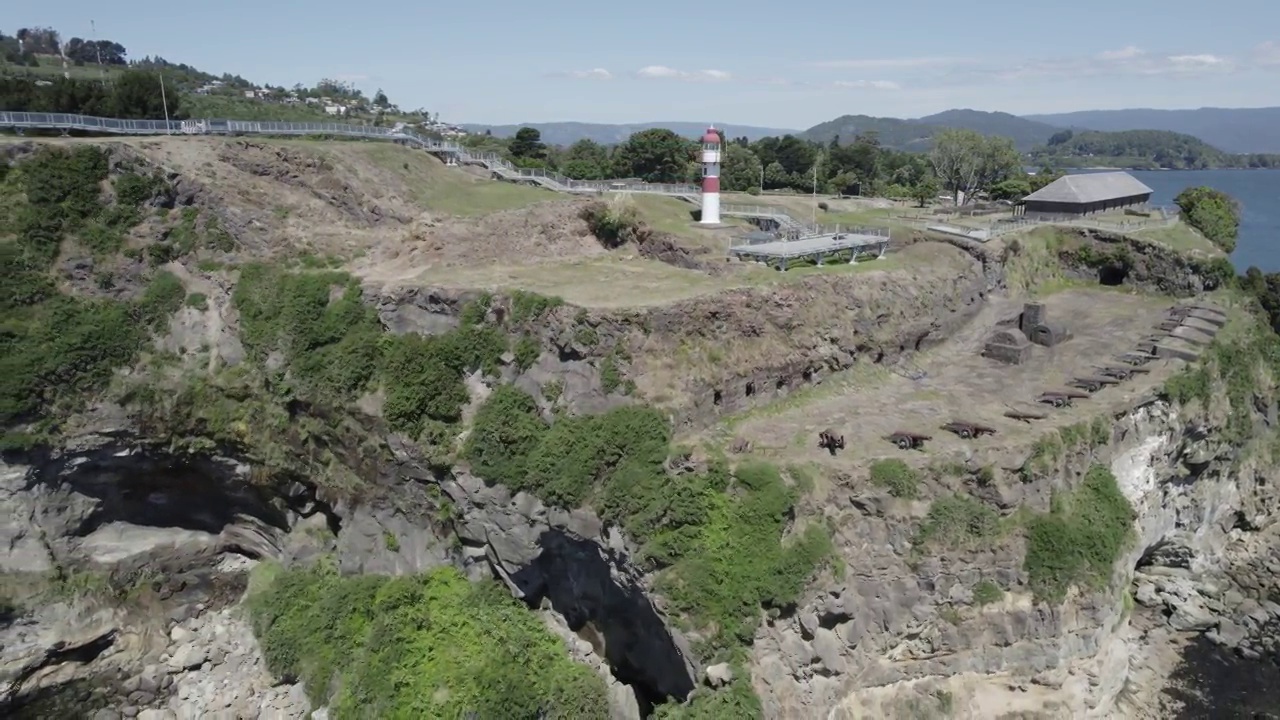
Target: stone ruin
<point x="1035" y="324"/>
<point x="1013" y="345"/>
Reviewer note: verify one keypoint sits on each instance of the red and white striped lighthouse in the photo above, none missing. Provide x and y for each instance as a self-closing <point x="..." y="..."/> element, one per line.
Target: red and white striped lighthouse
<point x="710" y="177"/>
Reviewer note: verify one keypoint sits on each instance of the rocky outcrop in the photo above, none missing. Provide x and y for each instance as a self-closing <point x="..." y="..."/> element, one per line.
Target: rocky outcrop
<point x="893" y="633"/>
<point x="113" y="526"/>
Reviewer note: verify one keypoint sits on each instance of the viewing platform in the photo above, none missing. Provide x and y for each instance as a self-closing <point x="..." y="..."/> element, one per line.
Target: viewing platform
<point x="818" y="248"/>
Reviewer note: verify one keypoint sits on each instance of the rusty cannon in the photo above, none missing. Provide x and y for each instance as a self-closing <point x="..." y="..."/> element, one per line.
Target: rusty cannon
<point x="831" y="442"/>
<point x="908" y="440"/>
<point x="968" y="430"/>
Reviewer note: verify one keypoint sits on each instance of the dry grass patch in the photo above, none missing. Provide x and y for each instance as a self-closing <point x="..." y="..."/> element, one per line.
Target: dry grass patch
<point x="605" y="282"/>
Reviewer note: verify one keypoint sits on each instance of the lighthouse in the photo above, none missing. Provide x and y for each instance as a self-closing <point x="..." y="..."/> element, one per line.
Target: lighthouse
<point x="710" y="178"/>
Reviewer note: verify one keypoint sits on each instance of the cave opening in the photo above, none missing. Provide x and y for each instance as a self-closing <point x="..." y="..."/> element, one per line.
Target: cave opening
<point x="1112" y="275"/>
<point x="751" y="389"/>
<point x="717" y="397"/>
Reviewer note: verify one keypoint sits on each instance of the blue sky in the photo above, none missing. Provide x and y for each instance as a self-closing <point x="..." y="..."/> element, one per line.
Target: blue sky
<point x="749" y="62"/>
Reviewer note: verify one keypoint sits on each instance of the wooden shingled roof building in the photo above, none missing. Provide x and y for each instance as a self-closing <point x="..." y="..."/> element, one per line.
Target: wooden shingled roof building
<point x="1085" y="194"/>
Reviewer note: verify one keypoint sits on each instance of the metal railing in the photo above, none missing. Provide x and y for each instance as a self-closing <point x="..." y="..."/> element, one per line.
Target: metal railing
<point x="210" y="126"/>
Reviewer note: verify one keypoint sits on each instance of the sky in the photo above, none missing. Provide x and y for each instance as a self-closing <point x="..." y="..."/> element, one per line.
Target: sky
<point x="750" y="62"/>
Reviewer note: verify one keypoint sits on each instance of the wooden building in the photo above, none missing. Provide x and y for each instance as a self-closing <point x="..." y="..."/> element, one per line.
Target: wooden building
<point x="1085" y="194"/>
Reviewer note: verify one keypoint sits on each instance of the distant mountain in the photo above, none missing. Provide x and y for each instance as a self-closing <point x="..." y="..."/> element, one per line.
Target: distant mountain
<point x="567" y="133"/>
<point x="1142" y="150"/>
<point x="891" y="132"/>
<point x="1232" y="130"/>
<point x="917" y="134"/>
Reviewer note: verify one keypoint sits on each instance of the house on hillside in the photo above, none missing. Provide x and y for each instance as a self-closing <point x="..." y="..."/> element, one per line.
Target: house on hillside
<point x="1085" y="194"/>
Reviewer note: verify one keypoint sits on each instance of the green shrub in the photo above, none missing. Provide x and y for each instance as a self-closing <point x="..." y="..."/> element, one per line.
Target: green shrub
<point x="526" y="352"/>
<point x="432" y="645"/>
<point x="330" y="346"/>
<point x="897" y="477"/>
<point x="719" y="536"/>
<point x="1078" y="541"/>
<point x="1214" y="213"/>
<point x="987" y="592"/>
<point x="527" y="306"/>
<point x="959" y="521"/>
<point x="614" y="223"/>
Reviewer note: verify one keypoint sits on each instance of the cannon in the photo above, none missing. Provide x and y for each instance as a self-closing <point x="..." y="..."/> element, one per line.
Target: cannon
<point x="1025" y="416"/>
<point x="1092" y="384"/>
<point x="1136" y="358"/>
<point x="831" y="442"/>
<point x="968" y="430"/>
<point x="908" y="440"/>
<point x="1060" y="398"/>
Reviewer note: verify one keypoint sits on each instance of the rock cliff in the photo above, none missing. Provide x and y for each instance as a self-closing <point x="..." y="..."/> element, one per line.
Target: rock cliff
<point x="132" y="529"/>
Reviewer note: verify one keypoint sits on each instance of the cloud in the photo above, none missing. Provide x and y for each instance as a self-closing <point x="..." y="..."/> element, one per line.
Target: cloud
<point x="1124" y="53"/>
<point x="1266" y="54"/>
<point x="592" y="74"/>
<point x="904" y="63"/>
<point x="664" y="72"/>
<point x="868" y="84"/>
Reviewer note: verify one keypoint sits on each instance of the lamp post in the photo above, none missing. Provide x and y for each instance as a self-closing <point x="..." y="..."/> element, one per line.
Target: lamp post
<point x="164" y="101"/>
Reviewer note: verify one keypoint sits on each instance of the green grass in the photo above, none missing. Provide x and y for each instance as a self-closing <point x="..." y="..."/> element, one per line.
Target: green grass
<point x="227" y="107"/>
<point x="1179" y="237"/>
<point x="959" y="521"/>
<point x="427" y="646"/>
<point x="51" y="67"/>
<point x="450" y="190"/>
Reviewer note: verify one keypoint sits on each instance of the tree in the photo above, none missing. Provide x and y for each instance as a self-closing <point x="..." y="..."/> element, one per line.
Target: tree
<point x="966" y="161"/>
<point x="655" y="155"/>
<point x="380" y="99"/>
<point x="585" y="160"/>
<point x="924" y="189"/>
<point x="1214" y="213"/>
<point x="741" y="169"/>
<point x="527" y="144"/>
<point x="775" y="176"/>
<point x="137" y="94"/>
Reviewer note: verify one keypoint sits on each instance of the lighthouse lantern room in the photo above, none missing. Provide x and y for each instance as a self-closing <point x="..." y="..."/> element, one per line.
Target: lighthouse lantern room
<point x="710" y="177"/>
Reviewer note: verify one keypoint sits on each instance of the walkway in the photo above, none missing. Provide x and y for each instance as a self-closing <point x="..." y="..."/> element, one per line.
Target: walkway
<point x="451" y="152"/>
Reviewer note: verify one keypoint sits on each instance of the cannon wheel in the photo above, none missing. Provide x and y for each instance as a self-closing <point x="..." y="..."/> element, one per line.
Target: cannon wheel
<point x="965" y="433"/>
<point x="903" y="443"/>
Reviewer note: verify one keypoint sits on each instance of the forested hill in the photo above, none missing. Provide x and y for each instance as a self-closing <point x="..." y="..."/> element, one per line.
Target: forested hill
<point x="1141" y="150"/>
<point x="1233" y="130"/>
<point x="917" y="134"/>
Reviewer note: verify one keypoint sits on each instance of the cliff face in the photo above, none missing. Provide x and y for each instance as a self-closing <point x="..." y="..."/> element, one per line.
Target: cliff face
<point x="129" y="542"/>
<point x="891" y="637"/>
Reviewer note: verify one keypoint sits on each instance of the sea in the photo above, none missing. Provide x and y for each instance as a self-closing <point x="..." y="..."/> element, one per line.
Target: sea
<point x="1258" y="192"/>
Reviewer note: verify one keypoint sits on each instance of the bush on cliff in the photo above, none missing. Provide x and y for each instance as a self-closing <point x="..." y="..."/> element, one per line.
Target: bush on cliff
<point x="1214" y="213"/>
<point x="60" y="348"/>
<point x="427" y="646"/>
<point x="1079" y="540"/>
<point x="719" y="536"/>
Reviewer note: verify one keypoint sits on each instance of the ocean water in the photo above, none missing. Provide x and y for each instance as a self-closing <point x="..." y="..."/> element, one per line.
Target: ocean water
<point x="1258" y="192"/>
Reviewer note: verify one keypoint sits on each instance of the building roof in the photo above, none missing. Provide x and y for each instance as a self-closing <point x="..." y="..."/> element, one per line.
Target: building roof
<point x="1090" y="188"/>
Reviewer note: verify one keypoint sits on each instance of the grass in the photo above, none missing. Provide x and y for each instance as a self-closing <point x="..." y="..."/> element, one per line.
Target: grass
<point x="448" y="190"/>
<point x="51" y="67"/>
<point x="227" y="107"/>
<point x="1179" y="237"/>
